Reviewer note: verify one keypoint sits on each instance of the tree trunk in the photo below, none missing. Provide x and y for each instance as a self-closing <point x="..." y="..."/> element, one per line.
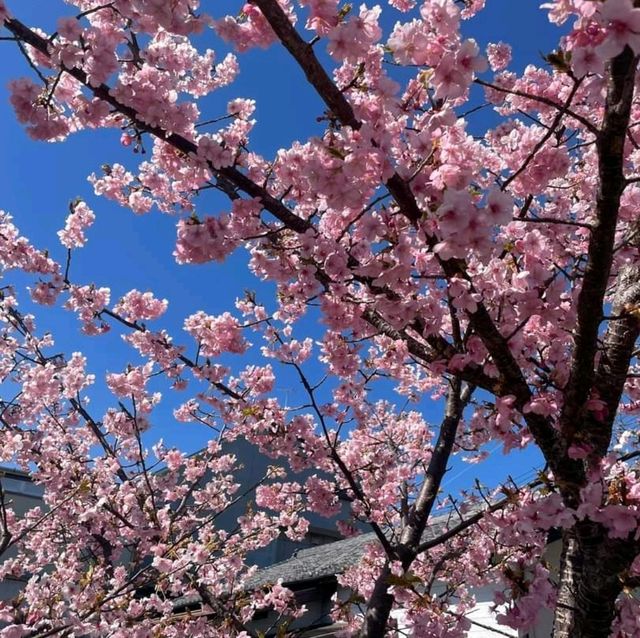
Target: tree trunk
<point x="379" y="608"/>
<point x="590" y="580"/>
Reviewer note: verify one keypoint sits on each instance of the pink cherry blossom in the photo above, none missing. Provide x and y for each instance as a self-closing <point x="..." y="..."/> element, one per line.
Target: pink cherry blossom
<point x="622" y="23"/>
<point x="216" y="334"/>
<point x="499" y="56"/>
<point x="80" y="218"/>
<point x="446" y="269"/>
<point x="199" y="242"/>
<point x="587" y="60"/>
<point x="141" y="306"/>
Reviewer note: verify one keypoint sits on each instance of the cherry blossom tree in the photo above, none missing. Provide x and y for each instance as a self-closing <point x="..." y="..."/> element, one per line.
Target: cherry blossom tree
<point x="498" y="275"/>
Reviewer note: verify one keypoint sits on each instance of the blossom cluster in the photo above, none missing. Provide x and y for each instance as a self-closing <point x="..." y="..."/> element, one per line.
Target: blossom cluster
<point x="411" y="259"/>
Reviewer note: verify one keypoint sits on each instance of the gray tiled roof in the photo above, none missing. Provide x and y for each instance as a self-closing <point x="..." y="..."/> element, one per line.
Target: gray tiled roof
<point x="327" y="560"/>
<point x="332" y="558"/>
<point x="315" y="562"/>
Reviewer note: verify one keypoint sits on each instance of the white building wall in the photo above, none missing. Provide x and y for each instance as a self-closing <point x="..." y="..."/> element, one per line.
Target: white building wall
<point x="483" y="619"/>
<point x="543" y="627"/>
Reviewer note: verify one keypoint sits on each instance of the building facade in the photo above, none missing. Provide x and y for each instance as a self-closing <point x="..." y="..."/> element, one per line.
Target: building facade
<point x="20" y="494"/>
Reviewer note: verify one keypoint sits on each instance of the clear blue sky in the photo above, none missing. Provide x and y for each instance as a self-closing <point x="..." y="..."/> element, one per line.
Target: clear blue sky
<point x="126" y="251"/>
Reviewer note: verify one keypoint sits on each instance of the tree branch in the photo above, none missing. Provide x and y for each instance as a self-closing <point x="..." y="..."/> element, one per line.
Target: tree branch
<point x="610" y="148"/>
<point x="338" y="104"/>
<point x="543" y="140"/>
<point x="617" y="350"/>
<point x="180" y="143"/>
<point x="543" y="100"/>
<point x="457" y="399"/>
